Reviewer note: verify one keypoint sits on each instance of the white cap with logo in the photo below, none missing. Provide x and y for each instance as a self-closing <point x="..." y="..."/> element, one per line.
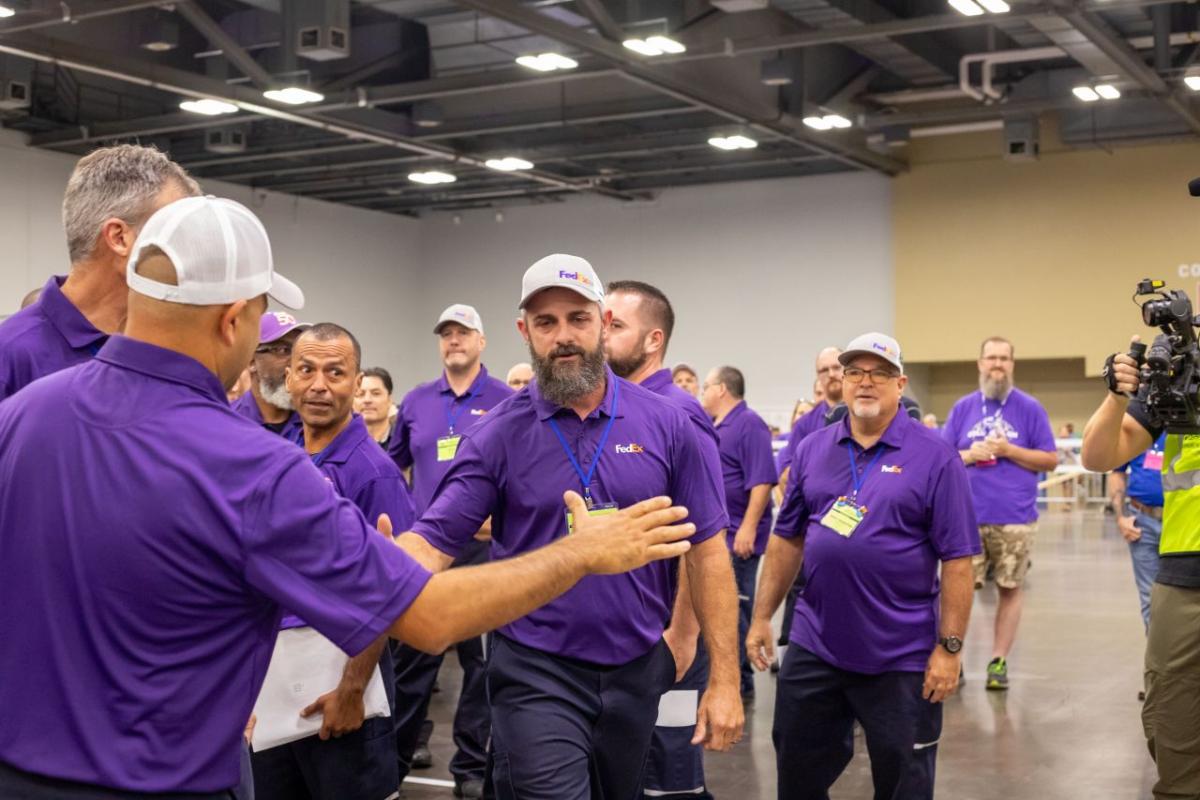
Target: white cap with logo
<point x="220" y="252"/>
<point x="563" y="271"/>
<point x="464" y="315"/>
<point x="873" y="344"/>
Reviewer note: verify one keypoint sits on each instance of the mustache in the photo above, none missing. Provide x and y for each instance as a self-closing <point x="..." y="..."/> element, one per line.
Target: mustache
<point x="566" y="350"/>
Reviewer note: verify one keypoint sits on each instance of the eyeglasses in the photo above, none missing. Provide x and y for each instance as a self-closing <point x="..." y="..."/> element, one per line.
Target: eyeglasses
<point x="878" y="376"/>
<point x="280" y="350"/>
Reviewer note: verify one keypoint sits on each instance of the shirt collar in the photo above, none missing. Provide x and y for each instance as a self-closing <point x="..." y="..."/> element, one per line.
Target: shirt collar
<point x="658" y="381"/>
<point x="345" y="443"/>
<point x="443" y="385"/>
<point x="734" y="413"/>
<point x="892" y="437"/>
<point x="66" y="318"/>
<point x="162" y="364"/>
<point x="545" y="409"/>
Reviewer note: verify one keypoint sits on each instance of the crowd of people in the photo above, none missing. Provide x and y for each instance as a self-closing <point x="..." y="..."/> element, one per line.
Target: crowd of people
<point x="232" y="556"/>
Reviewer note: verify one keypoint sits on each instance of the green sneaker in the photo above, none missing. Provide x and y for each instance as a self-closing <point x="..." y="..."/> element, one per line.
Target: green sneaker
<point x="997" y="675"/>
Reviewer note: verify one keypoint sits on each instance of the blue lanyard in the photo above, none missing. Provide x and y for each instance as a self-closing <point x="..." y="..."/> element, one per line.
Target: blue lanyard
<point x="586" y="477"/>
<point x="452" y="412"/>
<point x="858" y="484"/>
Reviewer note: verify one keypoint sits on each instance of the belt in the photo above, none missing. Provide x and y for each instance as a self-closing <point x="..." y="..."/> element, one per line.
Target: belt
<point x="1150" y="511"/>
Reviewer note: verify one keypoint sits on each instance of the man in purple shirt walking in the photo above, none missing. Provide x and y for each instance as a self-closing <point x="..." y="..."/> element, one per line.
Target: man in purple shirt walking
<point x="575" y="685"/>
<point x="161" y="564"/>
<point x="111" y="193"/>
<point x="1004" y="437"/>
<point x="268" y="403"/>
<point x="351" y="758"/>
<point x="430" y="423"/>
<point x="636" y="343"/>
<point x="875" y="502"/>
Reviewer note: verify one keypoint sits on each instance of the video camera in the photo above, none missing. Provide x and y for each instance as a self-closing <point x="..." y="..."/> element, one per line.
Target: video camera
<point x="1170" y="366"/>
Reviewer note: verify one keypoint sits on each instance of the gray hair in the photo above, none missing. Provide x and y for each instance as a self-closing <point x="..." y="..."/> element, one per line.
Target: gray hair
<point x="121" y="182"/>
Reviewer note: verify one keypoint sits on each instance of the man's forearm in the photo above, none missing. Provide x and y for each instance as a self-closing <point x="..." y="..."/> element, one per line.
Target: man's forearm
<point x="684" y="622"/>
<point x="1102" y="435"/>
<point x="714" y="596"/>
<point x="957" y="595"/>
<point x="360" y="668"/>
<point x="423" y="552"/>
<point x="759" y="497"/>
<point x="1116" y="492"/>
<point x="780" y="565"/>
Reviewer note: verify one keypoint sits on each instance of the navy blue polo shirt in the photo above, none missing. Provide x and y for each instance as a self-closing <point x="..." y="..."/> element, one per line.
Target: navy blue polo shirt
<point x="1145" y="482"/>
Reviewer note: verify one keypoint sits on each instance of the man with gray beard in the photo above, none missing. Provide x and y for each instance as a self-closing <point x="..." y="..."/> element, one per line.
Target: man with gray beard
<point x="1004" y="437"/>
<point x="268" y="402"/>
<point x="575" y="686"/>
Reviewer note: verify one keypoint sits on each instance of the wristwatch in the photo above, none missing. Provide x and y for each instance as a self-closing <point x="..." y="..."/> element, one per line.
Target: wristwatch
<point x="953" y="644"/>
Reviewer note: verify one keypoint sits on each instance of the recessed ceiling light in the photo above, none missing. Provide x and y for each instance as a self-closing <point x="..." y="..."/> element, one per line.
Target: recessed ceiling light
<point x="431" y="177"/>
<point x="995" y="6"/>
<point x="966" y="7"/>
<point x="293" y="95"/>
<point x="837" y="121"/>
<point x="736" y="142"/>
<point x="1086" y="93"/>
<point x="1192" y="82"/>
<point x="667" y="45"/>
<point x="1108" y="91"/>
<point x="208" y="107"/>
<point x="547" y="62"/>
<point x="6" y="12"/>
<point x="818" y="123"/>
<point x="508" y="164"/>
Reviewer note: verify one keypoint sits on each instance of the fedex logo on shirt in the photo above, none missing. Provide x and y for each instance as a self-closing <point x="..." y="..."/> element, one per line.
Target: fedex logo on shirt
<point x="630" y="448"/>
<point x="575" y="276"/>
<point x="478" y="412"/>
<point x="892" y="469"/>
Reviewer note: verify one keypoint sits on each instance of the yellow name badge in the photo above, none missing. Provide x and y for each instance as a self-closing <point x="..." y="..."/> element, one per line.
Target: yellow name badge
<point x="447" y="446"/>
<point x="843" y="517"/>
<point x="596" y="511"/>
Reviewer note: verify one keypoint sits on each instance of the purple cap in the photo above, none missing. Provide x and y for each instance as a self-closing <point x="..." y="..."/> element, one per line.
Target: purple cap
<point x="277" y="324"/>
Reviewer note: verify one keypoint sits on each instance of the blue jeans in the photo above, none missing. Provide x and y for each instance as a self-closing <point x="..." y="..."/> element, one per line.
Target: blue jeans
<point x="745" y="572"/>
<point x="1144" y="553"/>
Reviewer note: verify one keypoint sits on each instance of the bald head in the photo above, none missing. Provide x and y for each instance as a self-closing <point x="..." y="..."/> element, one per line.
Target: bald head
<point x="519" y="376"/>
<point x="829" y="374"/>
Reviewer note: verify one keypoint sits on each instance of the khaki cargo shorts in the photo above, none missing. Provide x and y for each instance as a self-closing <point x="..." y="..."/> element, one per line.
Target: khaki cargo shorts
<point x="1007" y="549"/>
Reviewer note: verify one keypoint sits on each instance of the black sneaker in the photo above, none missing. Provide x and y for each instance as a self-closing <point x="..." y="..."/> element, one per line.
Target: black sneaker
<point x="997" y="675"/>
<point x="422" y="758"/>
<point x="469" y="789"/>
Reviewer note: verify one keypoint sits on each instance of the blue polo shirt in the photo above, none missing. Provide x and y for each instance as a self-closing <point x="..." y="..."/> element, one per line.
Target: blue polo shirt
<point x="43" y="338"/>
<point x="147" y="548"/>
<point x="513" y="467"/>
<point x="1145" y="483"/>
<point x="746" y="462"/>
<point x="430" y="412"/>
<point x="293" y="426"/>
<point x="870" y="602"/>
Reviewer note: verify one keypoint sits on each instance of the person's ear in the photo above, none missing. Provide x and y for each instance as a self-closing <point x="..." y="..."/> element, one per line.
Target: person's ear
<point x="524" y="330"/>
<point x="482" y="342"/>
<point x="653" y="341"/>
<point x="231" y="319"/>
<point x="118" y="236"/>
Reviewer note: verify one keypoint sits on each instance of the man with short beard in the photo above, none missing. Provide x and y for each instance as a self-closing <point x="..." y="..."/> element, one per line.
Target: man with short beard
<point x="829" y="389"/>
<point x="575" y="687"/>
<point x="1005" y="439"/>
<point x="636" y="342"/>
<point x="429" y="427"/>
<point x="875" y="504"/>
<point x="268" y="402"/>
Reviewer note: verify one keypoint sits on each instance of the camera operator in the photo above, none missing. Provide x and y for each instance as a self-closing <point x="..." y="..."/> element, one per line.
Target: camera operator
<point x="1120" y="430"/>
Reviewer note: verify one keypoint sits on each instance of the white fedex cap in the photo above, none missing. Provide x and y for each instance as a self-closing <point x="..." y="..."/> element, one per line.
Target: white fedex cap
<point x="220" y="251"/>
<point x="873" y="344"/>
<point x="464" y="315"/>
<point x="567" y="272"/>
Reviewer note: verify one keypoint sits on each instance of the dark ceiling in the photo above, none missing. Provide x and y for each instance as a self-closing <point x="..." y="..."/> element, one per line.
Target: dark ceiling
<point x="425" y="85"/>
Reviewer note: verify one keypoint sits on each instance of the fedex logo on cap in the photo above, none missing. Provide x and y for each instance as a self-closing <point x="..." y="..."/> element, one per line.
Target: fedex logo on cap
<point x="630" y="448"/>
<point x="465" y="315"/>
<point x="883" y="348"/>
<point x="575" y="276"/>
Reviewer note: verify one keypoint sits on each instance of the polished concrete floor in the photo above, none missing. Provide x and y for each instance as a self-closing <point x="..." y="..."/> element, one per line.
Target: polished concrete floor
<point x="1068" y="729"/>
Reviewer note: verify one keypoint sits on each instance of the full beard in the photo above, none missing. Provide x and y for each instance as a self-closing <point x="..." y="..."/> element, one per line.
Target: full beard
<point x="995" y="388"/>
<point x="277" y="396"/>
<point x="563" y="384"/>
<point x="625" y="367"/>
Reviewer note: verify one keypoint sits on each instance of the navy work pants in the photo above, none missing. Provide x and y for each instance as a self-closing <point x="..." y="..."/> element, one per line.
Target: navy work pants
<point x="676" y="766"/>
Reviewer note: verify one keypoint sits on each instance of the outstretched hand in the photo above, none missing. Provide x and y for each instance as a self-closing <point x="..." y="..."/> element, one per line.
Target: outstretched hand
<point x="631" y="537"/>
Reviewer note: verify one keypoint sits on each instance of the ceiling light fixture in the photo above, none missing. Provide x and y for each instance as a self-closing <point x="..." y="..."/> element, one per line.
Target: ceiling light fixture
<point x="1193" y="82"/>
<point x="208" y="107"/>
<point x="655" y="46"/>
<point x="995" y="6"/>
<point x="1108" y="91"/>
<point x="6" y="12"/>
<point x="817" y="123"/>
<point x="547" y="62"/>
<point x="736" y="142"/>
<point x="508" y="164"/>
<point x="431" y="177"/>
<point x="1086" y="93"/>
<point x="967" y="8"/>
<point x="293" y="95"/>
<point x="828" y="122"/>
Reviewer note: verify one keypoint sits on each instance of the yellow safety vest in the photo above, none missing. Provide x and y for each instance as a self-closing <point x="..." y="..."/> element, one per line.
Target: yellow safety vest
<point x="1181" y="495"/>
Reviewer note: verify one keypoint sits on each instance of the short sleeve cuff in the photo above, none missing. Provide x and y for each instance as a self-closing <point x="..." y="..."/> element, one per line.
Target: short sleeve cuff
<point x="412" y="579"/>
<point x="437" y="539"/>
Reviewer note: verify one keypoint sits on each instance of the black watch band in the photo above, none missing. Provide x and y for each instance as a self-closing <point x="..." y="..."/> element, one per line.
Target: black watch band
<point x="953" y="644"/>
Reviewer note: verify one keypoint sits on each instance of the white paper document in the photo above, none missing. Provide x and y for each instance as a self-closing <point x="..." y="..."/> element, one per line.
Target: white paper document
<point x="304" y="666"/>
<point x="677" y="708"/>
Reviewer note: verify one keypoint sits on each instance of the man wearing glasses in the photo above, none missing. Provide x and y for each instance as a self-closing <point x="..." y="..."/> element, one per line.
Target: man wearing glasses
<point x="268" y="402"/>
<point x="1005" y="439"/>
<point x="875" y="502"/>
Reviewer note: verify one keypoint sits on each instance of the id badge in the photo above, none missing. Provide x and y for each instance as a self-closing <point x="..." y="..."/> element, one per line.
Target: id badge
<point x="447" y="446"/>
<point x="1153" y="460"/>
<point x="843" y="517"/>
<point x="598" y="510"/>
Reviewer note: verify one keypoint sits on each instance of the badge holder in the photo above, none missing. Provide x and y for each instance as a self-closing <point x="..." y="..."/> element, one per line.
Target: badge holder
<point x="447" y="447"/>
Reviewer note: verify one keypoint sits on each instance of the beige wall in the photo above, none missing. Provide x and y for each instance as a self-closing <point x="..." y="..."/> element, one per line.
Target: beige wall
<point x="1045" y="253"/>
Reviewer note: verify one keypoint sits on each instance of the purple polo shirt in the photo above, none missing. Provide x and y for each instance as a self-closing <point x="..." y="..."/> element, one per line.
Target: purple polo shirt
<point x="425" y="416"/>
<point x="808" y="423"/>
<point x="1005" y="493"/>
<point x="147" y="547"/>
<point x="44" y="338"/>
<point x="293" y="427"/>
<point x="870" y="603"/>
<point x="746" y="462"/>
<point x="512" y="467"/>
<point x="661" y="384"/>
<point x="358" y="469"/>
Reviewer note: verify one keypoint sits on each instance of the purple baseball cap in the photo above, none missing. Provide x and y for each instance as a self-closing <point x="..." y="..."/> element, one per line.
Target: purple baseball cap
<point x="277" y="324"/>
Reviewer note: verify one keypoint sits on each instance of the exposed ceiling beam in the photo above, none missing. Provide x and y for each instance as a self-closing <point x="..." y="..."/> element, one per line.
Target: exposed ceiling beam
<point x="756" y="115"/>
<point x="320" y="149"/>
<point x="121" y="68"/>
<point x="218" y="38"/>
<point x="597" y="13"/>
<point x="76" y="12"/>
<point x="132" y="128"/>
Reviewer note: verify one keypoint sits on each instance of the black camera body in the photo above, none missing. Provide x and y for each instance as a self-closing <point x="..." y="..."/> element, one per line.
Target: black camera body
<point x="1170" y="366"/>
